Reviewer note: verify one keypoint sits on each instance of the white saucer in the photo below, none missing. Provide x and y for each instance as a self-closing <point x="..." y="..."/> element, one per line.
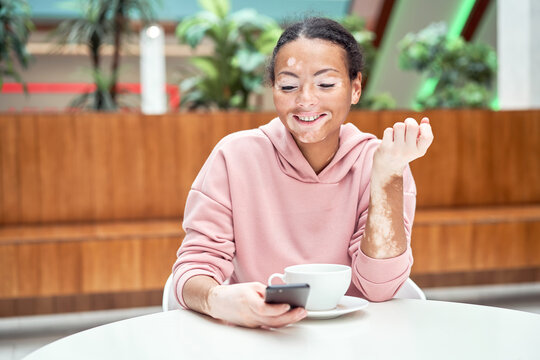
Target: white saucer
<point x="346" y="305"/>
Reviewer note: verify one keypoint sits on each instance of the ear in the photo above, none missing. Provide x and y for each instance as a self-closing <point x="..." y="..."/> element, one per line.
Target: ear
<point x="356" y="88"/>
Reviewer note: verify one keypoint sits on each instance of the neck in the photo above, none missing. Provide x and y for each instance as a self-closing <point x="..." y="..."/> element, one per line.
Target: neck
<point x="319" y="155"/>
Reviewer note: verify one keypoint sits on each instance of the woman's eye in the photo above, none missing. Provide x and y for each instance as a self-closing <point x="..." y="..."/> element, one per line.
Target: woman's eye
<point x="288" y="88"/>
<point x="326" y="85"/>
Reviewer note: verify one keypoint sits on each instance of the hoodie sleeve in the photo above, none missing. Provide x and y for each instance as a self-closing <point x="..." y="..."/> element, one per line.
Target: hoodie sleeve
<point x="208" y="247"/>
<point x="380" y="279"/>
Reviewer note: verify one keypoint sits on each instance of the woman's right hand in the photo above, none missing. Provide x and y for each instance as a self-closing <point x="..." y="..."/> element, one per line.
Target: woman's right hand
<point x="243" y="304"/>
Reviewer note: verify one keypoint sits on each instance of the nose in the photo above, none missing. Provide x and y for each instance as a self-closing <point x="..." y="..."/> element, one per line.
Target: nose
<point x="306" y="97"/>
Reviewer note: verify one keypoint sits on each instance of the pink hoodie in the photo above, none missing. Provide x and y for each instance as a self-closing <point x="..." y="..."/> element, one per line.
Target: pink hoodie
<point x="257" y="207"/>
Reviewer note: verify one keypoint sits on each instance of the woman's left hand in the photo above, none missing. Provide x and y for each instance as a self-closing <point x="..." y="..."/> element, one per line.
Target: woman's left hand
<point x="403" y="143"/>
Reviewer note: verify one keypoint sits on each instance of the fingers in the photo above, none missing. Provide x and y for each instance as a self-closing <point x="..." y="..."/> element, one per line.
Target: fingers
<point x="411" y="132"/>
<point x="258" y="287"/>
<point x="388" y="137"/>
<point x="289" y="317"/>
<point x="264" y="309"/>
<point x="276" y="315"/>
<point x="426" y="136"/>
<point x="272" y="315"/>
<point x="261" y="308"/>
<point x="399" y="133"/>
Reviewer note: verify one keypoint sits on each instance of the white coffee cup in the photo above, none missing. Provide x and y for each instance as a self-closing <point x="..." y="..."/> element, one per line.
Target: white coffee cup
<point x="327" y="283"/>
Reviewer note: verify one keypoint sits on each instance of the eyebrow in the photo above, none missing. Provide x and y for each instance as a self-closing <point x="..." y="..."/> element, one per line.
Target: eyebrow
<point x="320" y="72"/>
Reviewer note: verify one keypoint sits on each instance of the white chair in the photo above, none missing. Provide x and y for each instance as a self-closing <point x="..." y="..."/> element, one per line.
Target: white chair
<point x="169" y="301"/>
<point x="410" y="290"/>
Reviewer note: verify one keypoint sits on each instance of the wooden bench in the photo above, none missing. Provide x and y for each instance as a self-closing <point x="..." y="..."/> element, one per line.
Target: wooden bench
<point x="466" y="246"/>
<point x="91" y="204"/>
<point x="55" y="268"/>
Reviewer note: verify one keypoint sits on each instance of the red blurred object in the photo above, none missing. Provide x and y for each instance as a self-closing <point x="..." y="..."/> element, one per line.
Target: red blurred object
<point x="82" y="88"/>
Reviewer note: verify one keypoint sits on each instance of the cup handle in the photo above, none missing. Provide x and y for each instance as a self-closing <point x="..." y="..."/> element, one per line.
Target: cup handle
<point x="276" y="275"/>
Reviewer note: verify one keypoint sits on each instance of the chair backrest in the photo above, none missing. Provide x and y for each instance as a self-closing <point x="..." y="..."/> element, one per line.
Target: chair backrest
<point x="169" y="301"/>
<point x="409" y="290"/>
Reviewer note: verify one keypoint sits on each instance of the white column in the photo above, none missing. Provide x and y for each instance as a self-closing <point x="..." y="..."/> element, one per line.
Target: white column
<point x="153" y="96"/>
<point x="518" y="50"/>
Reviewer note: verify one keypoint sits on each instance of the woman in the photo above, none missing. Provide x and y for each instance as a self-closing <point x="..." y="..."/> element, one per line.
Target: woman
<point x="303" y="188"/>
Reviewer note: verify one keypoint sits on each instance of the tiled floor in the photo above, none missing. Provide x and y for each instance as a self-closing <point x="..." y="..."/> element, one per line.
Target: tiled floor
<point x="22" y="335"/>
<point x="524" y="297"/>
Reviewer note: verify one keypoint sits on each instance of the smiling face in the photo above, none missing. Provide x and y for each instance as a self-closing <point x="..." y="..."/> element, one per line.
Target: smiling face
<point x="313" y="92"/>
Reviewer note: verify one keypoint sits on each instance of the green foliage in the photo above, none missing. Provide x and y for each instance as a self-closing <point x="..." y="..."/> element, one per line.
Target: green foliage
<point x="357" y="27"/>
<point x="465" y="71"/>
<point x="102" y="22"/>
<point x="381" y="101"/>
<point x="15" y="28"/>
<point x="242" y="41"/>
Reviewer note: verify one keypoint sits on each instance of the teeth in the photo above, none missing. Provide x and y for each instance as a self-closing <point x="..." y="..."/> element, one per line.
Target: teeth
<point x="309" y="118"/>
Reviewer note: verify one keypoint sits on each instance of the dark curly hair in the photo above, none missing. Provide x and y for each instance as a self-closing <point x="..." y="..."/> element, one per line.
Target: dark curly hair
<point x="324" y="29"/>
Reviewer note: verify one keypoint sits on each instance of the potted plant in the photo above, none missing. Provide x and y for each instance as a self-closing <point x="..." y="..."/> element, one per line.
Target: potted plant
<point x="102" y="22"/>
<point x="241" y="42"/>
<point x="463" y="72"/>
<point x="15" y="28"/>
<point x="357" y="27"/>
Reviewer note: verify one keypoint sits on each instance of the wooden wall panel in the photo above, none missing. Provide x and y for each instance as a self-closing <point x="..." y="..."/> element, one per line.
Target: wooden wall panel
<point x="157" y="260"/>
<point x="103" y="167"/>
<point x="110" y="266"/>
<point x="438" y="248"/>
<point x="9" y="177"/>
<point x="158" y="142"/>
<point x="56" y="150"/>
<point x="9" y="282"/>
<point x="85" y="267"/>
<point x="70" y="265"/>
<point x="79" y="302"/>
<point x="48" y="269"/>
<point x="86" y="259"/>
<point x="28" y="270"/>
<point x="503" y="245"/>
<point x="28" y="158"/>
<point x="99" y="166"/>
<point x="463" y="246"/>
<point x="478" y="158"/>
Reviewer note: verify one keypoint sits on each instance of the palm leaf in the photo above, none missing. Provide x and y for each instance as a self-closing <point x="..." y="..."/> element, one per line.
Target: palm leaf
<point x="15" y="28"/>
<point x="206" y="65"/>
<point x="218" y="7"/>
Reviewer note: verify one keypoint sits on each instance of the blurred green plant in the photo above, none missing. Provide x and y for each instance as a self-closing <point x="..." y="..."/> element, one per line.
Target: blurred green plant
<point x="379" y="101"/>
<point x="465" y="71"/>
<point x="103" y="22"/>
<point x="357" y="27"/>
<point x="241" y="43"/>
<point x="15" y="28"/>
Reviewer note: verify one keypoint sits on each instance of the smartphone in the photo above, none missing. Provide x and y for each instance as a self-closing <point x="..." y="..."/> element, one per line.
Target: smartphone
<point x="293" y="294"/>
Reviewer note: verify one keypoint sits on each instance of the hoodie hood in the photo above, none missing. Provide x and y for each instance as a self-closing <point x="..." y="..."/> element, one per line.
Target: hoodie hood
<point x="293" y="163"/>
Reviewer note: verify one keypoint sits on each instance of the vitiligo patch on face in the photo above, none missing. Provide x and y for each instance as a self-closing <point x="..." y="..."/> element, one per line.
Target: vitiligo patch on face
<point x="291" y="61"/>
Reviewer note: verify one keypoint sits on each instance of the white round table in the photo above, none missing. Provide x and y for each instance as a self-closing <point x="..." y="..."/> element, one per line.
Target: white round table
<point x="397" y="329"/>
